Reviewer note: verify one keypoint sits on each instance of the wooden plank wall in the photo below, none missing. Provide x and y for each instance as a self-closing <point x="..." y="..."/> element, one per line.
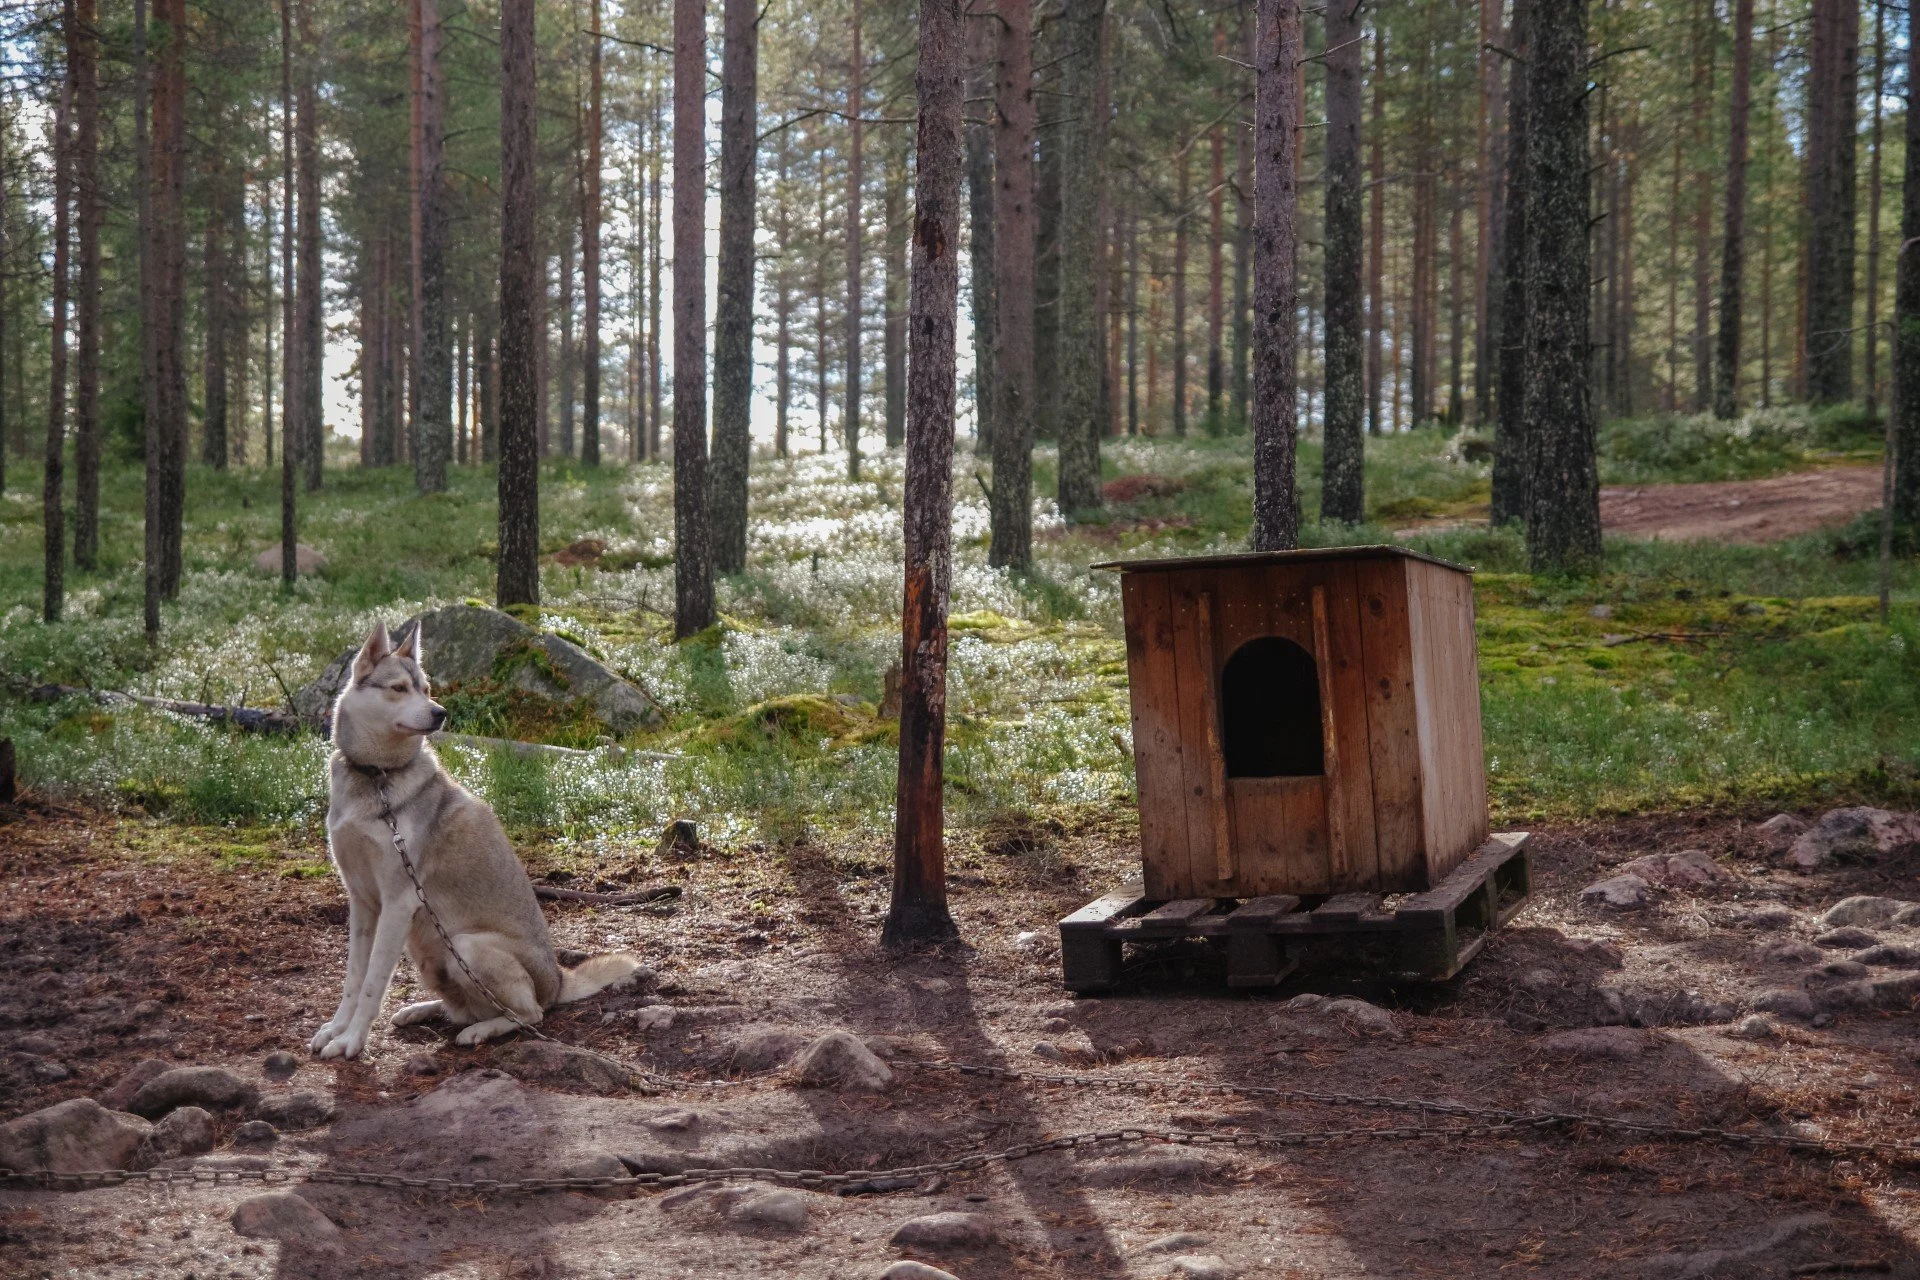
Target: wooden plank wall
<point x="1158" y="763"/>
<point x="1393" y="742"/>
<point x="1447" y="693"/>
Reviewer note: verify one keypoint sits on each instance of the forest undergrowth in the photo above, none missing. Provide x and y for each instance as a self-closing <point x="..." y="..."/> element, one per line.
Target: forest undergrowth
<point x="1681" y="675"/>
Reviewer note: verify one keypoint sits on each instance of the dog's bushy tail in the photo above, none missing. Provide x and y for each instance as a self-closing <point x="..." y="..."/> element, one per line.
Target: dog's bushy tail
<point x="596" y="973"/>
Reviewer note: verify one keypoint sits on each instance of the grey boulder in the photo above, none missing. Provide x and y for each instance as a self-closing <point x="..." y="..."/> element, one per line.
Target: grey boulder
<point x="76" y="1136"/>
<point x="560" y="1064"/>
<point x="210" y="1087"/>
<point x="182" y="1132"/>
<point x="1687" y="869"/>
<point x="1852" y="833"/>
<point x="1862" y="910"/>
<point x="908" y="1269"/>
<point x="839" y="1060"/>
<point x="1597" y="1042"/>
<point x="292" y="1112"/>
<point x="758" y="1049"/>
<point x="288" y="1218"/>
<point x="780" y="1208"/>
<point x="948" y="1230"/>
<point x="1620" y="893"/>
<point x="121" y="1094"/>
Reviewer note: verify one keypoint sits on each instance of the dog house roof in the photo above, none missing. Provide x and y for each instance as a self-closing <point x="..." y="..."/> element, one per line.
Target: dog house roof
<point x="1252" y="559"/>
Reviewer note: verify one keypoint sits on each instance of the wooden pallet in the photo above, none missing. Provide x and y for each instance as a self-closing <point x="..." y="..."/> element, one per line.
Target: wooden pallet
<point x="1433" y="934"/>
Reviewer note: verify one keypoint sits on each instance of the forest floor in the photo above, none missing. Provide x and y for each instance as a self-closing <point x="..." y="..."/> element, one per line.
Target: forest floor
<point x="1745" y="511"/>
<point x="121" y="943"/>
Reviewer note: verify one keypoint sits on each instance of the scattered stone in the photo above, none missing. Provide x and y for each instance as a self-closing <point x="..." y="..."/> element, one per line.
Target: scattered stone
<point x="907" y="1269"/>
<point x="1863" y="910"/>
<point x="1054" y="1026"/>
<point x="1890" y="955"/>
<point x="1597" y="1042"/>
<point x="838" y="1060"/>
<point x="1166" y="1165"/>
<point x="780" y="1208"/>
<point x="1852" y="834"/>
<point x="1785" y="1002"/>
<point x="1356" y="1018"/>
<point x="182" y="1132"/>
<point x="118" y="1097"/>
<point x="1609" y="1008"/>
<point x="1848" y="939"/>
<point x="1174" y="1243"/>
<point x="1200" y="1266"/>
<point x="549" y="1063"/>
<point x="34" y="1043"/>
<point x="680" y="838"/>
<point x="48" y="1072"/>
<point x="1790" y="951"/>
<point x="598" y="1164"/>
<point x="280" y="1065"/>
<point x="288" y="1218"/>
<point x="1908" y="916"/>
<point x="1752" y="1027"/>
<point x="1540" y="980"/>
<point x="933" y="985"/>
<point x="71" y="1137"/>
<point x="305" y="560"/>
<point x="946" y="1231"/>
<point x="676" y="1121"/>
<point x="1621" y="893"/>
<point x="1048" y="1050"/>
<point x="1033" y="940"/>
<point x="292" y="1112"/>
<point x="759" y="1049"/>
<point x="210" y="1087"/>
<point x="1598" y="950"/>
<point x="255" y="1133"/>
<point x="1843" y="969"/>
<point x="1688" y="869"/>
<point x="1771" y="919"/>
<point x="1600" y="611"/>
<point x="421" y="1064"/>
<point x="653" y="1017"/>
<point x="1782" y="828"/>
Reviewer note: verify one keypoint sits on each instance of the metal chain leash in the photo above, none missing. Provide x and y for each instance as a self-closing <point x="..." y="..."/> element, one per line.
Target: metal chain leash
<point x="632" y="1072"/>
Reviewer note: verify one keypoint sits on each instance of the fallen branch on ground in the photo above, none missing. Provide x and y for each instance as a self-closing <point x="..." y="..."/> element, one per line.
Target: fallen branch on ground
<point x="251" y="719"/>
<point x="1614" y="642"/>
<point x="653" y="893"/>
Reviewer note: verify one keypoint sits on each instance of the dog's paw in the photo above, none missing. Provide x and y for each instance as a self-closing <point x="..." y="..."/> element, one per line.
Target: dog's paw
<point x="481" y="1032"/>
<point x="414" y="1014"/>
<point x="327" y="1034"/>
<point x="347" y="1044"/>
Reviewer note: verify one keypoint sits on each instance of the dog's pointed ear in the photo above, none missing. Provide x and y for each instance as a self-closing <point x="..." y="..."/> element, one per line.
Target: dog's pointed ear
<point x="410" y="645"/>
<point x="379" y="644"/>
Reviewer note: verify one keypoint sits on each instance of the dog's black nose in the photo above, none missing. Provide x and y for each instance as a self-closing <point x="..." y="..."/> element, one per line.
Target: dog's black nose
<point x="439" y="716"/>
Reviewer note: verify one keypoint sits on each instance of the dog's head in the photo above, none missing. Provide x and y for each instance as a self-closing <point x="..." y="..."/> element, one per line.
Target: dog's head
<point x="386" y="709"/>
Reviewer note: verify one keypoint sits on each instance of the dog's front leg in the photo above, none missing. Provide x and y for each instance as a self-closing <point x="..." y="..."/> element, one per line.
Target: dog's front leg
<point x="361" y="919"/>
<point x="383" y="957"/>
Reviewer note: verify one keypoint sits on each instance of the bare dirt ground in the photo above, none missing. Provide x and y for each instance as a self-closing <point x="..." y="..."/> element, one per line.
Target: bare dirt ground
<point x="1748" y="511"/>
<point x="118" y="942"/>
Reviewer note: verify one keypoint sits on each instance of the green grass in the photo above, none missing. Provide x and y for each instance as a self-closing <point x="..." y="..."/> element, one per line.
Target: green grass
<point x="1783" y="687"/>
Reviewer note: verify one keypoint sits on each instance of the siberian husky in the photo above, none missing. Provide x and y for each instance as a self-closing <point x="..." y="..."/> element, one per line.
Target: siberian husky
<point x="473" y="880"/>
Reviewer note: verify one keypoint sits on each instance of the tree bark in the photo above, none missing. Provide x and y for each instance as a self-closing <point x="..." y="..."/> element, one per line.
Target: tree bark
<point x="692" y="533"/>
<point x="168" y="297"/>
<point x="1872" y="329"/>
<point x="89" y="214"/>
<point x="1509" y="496"/>
<point x="918" y="910"/>
<point x="1563" y="509"/>
<point x="519" y="478"/>
<point x="856" y="177"/>
<point x="1726" y="386"/>
<point x="1011" y="507"/>
<point x="432" y="348"/>
<point x="1377" y="231"/>
<point x="53" y="520"/>
<point x="590" y="252"/>
<point x="1242" y="272"/>
<point x="656" y="205"/>
<point x="1216" y="258"/>
<point x="310" y="329"/>
<point x="1703" y="212"/>
<point x="1182" y="196"/>
<point x="291" y="402"/>
<point x="1905" y="409"/>
<point x="983" y="298"/>
<point x="1341" y="476"/>
<point x="1487" y="200"/>
<point x="213" y="319"/>
<point x="567" y="352"/>
<point x="1083" y="179"/>
<point x="733" y="324"/>
<point x="895" y="332"/>
<point x="1831" y="89"/>
<point x="1277" y="49"/>
<point x="783" y="305"/>
<point x="1133" y="318"/>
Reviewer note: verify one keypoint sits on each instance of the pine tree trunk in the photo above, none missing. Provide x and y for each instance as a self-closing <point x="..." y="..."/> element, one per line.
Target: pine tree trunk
<point x="311" y="326"/>
<point x="918" y="910"/>
<point x="895" y="333"/>
<point x="432" y="365"/>
<point x="1485" y="221"/>
<point x="1242" y="271"/>
<point x="1181" y="199"/>
<point x="1905" y="408"/>
<point x="590" y="252"/>
<point x="1872" y="329"/>
<point x="1011" y="507"/>
<point x="489" y="380"/>
<point x="1216" y="264"/>
<point x="290" y="399"/>
<point x="462" y="397"/>
<point x="692" y="532"/>
<point x="1377" y="232"/>
<point x="1828" y="341"/>
<point x="1133" y="319"/>
<point x="1624" y="312"/>
<point x="980" y="225"/>
<point x="1341" y="474"/>
<point x="1563" y="509"/>
<point x="1456" y="319"/>
<point x="1703" y="216"/>
<point x="1509" y="496"/>
<point x="1277" y="49"/>
<point x="733" y="323"/>
<point x="783" y="305"/>
<point x="856" y="177"/>
<point x="519" y="480"/>
<point x="53" y="520"/>
<point x="169" y="253"/>
<point x="1726" y="386"/>
<point x="1082" y="353"/>
<point x="1046" y="270"/>
<point x="566" y="352"/>
<point x="84" y="50"/>
<point x="656" y="255"/>
<point x="213" y="365"/>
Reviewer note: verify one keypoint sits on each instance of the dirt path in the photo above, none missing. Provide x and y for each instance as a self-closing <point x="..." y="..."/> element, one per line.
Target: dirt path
<point x="109" y="955"/>
<point x="1745" y="511"/>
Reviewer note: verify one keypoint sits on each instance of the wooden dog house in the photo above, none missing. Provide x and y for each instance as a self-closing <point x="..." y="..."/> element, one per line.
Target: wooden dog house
<point x="1304" y="722"/>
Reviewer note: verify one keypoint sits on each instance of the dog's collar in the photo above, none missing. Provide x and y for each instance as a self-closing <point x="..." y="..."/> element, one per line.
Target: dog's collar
<point x="372" y="772"/>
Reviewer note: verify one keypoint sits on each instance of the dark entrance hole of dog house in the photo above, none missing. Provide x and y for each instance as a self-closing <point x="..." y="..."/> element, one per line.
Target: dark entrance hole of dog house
<point x="1270" y="708"/>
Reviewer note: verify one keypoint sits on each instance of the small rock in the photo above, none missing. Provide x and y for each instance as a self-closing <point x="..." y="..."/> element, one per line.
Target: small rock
<point x="182" y="1132"/>
<point x="1540" y="980"/>
<point x="1167" y="1165"/>
<point x="1890" y="956"/>
<point x="1842" y="969"/>
<point x="1621" y="893"/>
<point x="1174" y="1243"/>
<point x="288" y="1218"/>
<point x="305" y="560"/>
<point x="1055" y="1026"/>
<point x="280" y="1065"/>
<point x="1354" y="1017"/>
<point x="907" y="1269"/>
<point x="676" y="1121"/>
<point x="1600" y="611"/>
<point x="34" y="1043"/>
<point x="1609" y="1007"/>
<point x="1032" y="940"/>
<point x="1852" y="834"/>
<point x="1785" y="1002"/>
<point x="779" y="1208"/>
<point x="209" y="1087"/>
<point x="421" y="1064"/>
<point x="838" y="1060"/>
<point x="1048" y="1050"/>
<point x="947" y="1231"/>
<point x="1688" y="869"/>
<point x="1597" y="1042"/>
<point x="1769" y="919"/>
<point x="598" y="1164"/>
<point x="1200" y="1266"/>
<point x="293" y="1112"/>
<point x="759" y="1049"/>
<point x="1842" y="997"/>
<point x="48" y="1072"/>
<point x="933" y="985"/>
<point x="255" y="1133"/>
<point x="1790" y="951"/>
<point x="1752" y="1027"/>
<point x="1908" y="916"/>
<point x="71" y="1137"/>
<point x="680" y="838"/>
<point x="1848" y="939"/>
<point x="1862" y="910"/>
<point x="1896" y="993"/>
<point x="653" y="1017"/>
<point x="1782" y="828"/>
<point x="118" y="1097"/>
<point x="550" y="1063"/>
